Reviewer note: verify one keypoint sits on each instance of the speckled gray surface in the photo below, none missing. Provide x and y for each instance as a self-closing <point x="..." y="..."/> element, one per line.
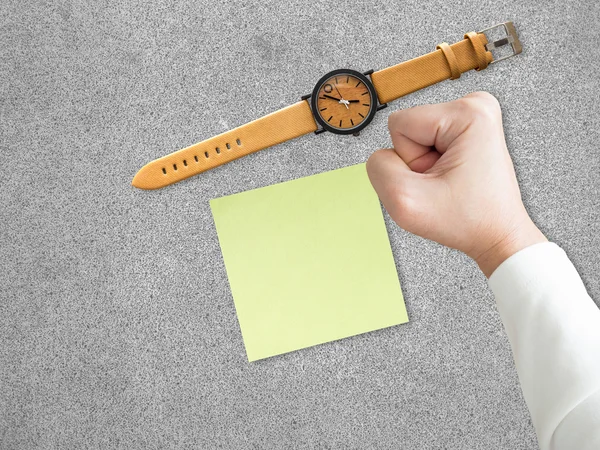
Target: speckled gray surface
<point x="117" y="326"/>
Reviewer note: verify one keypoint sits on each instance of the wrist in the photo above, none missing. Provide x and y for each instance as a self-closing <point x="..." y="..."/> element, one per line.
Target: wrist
<point x="520" y="237"/>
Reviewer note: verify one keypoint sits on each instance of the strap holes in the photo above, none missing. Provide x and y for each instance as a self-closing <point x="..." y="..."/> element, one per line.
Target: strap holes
<point x="218" y="150"/>
<point x="175" y="166"/>
<point x="238" y="142"/>
<point x="196" y="158"/>
<point x="185" y="163"/>
<point x="206" y="154"/>
<point x="228" y="145"/>
<point x="164" y="171"/>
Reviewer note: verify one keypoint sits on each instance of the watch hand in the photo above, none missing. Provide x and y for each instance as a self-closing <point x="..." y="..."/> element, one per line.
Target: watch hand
<point x="345" y="102"/>
<point x="336" y="88"/>
<point x="339" y="100"/>
<point x="353" y="101"/>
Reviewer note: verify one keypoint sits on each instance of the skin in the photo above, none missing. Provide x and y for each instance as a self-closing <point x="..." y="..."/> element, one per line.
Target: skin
<point x="449" y="178"/>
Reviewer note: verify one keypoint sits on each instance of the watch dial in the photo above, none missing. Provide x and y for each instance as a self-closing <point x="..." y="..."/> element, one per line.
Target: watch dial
<point x="344" y="101"/>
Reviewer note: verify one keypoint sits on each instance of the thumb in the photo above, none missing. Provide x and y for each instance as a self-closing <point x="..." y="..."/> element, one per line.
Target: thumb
<point x="410" y="198"/>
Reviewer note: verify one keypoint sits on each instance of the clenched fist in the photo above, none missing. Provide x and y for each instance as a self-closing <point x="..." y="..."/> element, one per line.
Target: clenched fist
<point x="450" y="178"/>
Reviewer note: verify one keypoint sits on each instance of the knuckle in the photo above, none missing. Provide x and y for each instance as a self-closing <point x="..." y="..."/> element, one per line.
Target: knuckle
<point x="404" y="204"/>
<point x="481" y="105"/>
<point x="405" y="210"/>
<point x="375" y="162"/>
<point x="371" y="162"/>
<point x="374" y="157"/>
<point x="482" y="95"/>
<point x="394" y="120"/>
<point x="402" y="195"/>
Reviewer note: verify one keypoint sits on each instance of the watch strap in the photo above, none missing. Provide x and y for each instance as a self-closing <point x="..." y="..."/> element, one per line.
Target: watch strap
<point x="279" y="126"/>
<point x="446" y="62"/>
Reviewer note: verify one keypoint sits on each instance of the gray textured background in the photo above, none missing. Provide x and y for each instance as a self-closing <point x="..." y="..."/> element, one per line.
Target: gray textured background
<point x="117" y="326"/>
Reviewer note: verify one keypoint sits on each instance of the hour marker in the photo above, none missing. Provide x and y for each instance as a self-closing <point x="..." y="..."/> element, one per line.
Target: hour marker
<point x="366" y="104"/>
<point x="323" y="109"/>
<point x="357" y="84"/>
<point x="329" y="118"/>
<point x="365" y="93"/>
<point x="322" y="98"/>
<point x="340" y="122"/>
<point x="347" y="78"/>
<point x="361" y="115"/>
<point x="352" y="122"/>
<point x="336" y="81"/>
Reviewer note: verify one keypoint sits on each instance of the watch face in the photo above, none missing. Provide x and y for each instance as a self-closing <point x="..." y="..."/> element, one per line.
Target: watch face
<point x="344" y="101"/>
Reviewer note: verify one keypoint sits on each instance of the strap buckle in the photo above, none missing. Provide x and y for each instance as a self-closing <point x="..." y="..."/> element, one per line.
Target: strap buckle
<point x="510" y="38"/>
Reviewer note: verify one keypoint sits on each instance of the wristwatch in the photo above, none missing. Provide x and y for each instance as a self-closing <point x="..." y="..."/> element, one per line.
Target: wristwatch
<point x="344" y="101"/>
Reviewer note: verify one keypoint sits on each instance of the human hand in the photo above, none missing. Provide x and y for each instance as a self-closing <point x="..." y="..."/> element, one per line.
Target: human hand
<point x="450" y="178"/>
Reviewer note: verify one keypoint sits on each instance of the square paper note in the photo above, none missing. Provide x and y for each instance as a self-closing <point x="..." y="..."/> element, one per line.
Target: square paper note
<point x="308" y="261"/>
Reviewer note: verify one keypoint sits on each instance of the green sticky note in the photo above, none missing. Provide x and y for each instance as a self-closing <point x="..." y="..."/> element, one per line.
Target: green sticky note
<point x="309" y="261"/>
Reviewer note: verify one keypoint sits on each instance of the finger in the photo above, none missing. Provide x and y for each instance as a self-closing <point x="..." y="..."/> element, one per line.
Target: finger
<point x="419" y="158"/>
<point x="385" y="166"/>
<point x="396" y="184"/>
<point x="413" y="200"/>
<point x="428" y="126"/>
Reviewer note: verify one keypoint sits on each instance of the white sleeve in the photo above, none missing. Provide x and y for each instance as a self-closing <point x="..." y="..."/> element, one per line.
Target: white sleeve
<point x="554" y="330"/>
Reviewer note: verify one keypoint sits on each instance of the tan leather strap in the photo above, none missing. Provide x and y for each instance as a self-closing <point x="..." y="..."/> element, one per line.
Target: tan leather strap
<point x="448" y="61"/>
<point x="410" y="76"/>
<point x="279" y="126"/>
<point x="479" y="49"/>
<point x="451" y="59"/>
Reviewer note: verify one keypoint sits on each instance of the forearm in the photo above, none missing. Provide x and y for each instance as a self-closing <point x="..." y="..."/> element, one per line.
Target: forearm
<point x="554" y="330"/>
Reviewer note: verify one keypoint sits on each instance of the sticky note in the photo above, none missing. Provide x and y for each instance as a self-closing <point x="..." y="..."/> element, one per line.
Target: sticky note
<point x="308" y="261"/>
